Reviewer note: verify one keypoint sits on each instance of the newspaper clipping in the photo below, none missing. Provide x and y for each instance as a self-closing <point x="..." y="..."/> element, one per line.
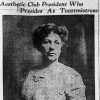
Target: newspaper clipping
<point x="49" y="50"/>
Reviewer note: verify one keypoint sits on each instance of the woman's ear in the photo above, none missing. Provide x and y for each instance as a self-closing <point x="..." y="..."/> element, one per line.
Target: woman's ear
<point x="62" y="44"/>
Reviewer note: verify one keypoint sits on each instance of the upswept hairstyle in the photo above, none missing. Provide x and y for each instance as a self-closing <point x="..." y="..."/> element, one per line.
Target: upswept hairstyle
<point x="44" y="30"/>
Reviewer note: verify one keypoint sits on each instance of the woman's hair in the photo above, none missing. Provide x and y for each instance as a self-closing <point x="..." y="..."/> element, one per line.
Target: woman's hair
<point x="44" y="30"/>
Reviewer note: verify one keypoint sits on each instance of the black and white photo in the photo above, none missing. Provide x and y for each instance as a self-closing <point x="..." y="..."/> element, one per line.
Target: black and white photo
<point x="48" y="57"/>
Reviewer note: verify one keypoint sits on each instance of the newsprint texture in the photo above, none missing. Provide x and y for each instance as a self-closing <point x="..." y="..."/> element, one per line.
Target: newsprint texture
<point x="49" y="50"/>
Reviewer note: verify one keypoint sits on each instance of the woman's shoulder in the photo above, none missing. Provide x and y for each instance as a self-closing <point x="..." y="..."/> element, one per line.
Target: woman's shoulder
<point x="36" y="73"/>
<point x="72" y="76"/>
<point x="66" y="70"/>
<point x="69" y="70"/>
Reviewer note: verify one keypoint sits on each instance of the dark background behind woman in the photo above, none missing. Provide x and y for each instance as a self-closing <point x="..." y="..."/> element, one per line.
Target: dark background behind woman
<point x="19" y="55"/>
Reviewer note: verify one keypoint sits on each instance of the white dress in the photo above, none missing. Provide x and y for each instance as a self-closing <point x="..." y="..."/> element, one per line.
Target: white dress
<point x="59" y="82"/>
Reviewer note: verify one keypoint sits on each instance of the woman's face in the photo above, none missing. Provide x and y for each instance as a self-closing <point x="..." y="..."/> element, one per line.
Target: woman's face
<point x="52" y="46"/>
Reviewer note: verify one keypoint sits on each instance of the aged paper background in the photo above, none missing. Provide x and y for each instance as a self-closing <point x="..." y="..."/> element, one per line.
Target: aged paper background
<point x="9" y="27"/>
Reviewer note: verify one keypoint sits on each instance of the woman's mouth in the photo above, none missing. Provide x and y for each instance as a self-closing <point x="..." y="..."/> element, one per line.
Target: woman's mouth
<point x="51" y="54"/>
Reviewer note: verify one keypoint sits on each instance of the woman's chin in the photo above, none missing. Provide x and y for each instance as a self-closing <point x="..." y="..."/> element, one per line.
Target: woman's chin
<point x="52" y="59"/>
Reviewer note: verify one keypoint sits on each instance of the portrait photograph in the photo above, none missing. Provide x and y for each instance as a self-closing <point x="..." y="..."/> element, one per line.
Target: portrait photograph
<point x="49" y="57"/>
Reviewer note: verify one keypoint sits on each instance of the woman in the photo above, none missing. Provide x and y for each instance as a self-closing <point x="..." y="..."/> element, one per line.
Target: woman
<point x="52" y="80"/>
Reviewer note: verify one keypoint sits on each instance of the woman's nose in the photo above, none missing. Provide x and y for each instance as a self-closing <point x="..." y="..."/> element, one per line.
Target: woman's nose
<point x="52" y="47"/>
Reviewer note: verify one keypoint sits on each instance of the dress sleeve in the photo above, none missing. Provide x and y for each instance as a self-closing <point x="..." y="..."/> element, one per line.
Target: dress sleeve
<point x="75" y="88"/>
<point x="28" y="87"/>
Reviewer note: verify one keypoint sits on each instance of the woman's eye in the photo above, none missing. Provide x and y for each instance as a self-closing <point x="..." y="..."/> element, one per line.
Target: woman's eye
<point x="57" y="42"/>
<point x="46" y="42"/>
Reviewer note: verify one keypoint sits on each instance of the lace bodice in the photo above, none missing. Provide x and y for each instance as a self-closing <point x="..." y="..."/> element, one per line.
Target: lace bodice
<point x="54" y="84"/>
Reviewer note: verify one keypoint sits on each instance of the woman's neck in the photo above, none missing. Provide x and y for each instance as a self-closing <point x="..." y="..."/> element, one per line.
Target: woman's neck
<point x="52" y="65"/>
<point x="48" y="63"/>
